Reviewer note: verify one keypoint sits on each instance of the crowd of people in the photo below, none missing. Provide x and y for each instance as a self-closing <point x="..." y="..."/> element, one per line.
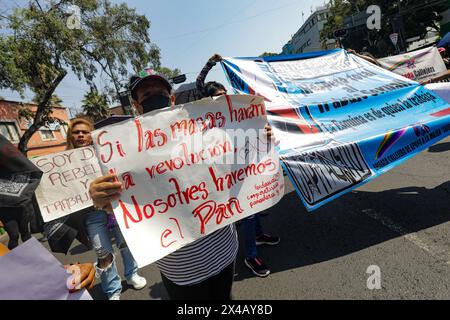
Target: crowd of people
<point x="202" y="270"/>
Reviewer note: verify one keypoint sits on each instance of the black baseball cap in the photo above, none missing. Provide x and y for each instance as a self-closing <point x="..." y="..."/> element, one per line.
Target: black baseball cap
<point x="144" y="74"/>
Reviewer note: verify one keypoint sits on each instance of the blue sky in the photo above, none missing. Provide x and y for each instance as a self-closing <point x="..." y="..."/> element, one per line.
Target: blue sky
<point x="189" y="32"/>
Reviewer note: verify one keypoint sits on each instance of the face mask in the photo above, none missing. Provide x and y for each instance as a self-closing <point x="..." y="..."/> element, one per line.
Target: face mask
<point x="155" y="102"/>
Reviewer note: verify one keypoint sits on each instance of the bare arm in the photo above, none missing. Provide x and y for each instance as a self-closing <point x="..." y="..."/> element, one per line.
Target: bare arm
<point x="369" y="59"/>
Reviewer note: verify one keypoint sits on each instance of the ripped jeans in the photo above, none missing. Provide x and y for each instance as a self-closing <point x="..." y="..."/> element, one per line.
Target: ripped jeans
<point x="99" y="234"/>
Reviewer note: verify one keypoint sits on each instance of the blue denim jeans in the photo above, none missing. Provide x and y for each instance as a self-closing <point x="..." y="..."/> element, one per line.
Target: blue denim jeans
<point x="99" y="234"/>
<point x="252" y="229"/>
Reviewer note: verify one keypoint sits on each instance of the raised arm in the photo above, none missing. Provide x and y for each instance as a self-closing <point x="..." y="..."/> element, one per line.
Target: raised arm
<point x="200" y="83"/>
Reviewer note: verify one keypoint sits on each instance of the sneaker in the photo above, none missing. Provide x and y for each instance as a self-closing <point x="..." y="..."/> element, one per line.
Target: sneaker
<point x="137" y="282"/>
<point x="257" y="266"/>
<point x="267" y="239"/>
<point x="115" y="296"/>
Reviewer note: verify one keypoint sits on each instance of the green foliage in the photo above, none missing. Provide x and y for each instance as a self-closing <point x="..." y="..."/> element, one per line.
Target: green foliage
<point x="417" y="16"/>
<point x="268" y="54"/>
<point x="95" y="105"/>
<point x="25" y="112"/>
<point x="38" y="49"/>
<point x="169" y="73"/>
<point x="54" y="100"/>
<point x="338" y="11"/>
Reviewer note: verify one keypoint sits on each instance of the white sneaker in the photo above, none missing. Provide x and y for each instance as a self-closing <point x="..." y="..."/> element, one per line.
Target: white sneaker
<point x="137" y="282"/>
<point x="115" y="297"/>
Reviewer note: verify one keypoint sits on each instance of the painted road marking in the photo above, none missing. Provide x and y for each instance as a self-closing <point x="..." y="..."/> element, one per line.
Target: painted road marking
<point x="431" y="248"/>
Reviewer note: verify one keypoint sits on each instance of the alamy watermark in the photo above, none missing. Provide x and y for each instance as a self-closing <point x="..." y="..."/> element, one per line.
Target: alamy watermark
<point x="374" y="20"/>
<point x="74" y="20"/>
<point x="74" y="281"/>
<point x="374" y="279"/>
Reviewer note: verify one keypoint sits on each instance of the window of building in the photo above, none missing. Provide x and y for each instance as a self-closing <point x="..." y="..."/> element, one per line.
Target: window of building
<point x="10" y="131"/>
<point x="47" y="135"/>
<point x="64" y="128"/>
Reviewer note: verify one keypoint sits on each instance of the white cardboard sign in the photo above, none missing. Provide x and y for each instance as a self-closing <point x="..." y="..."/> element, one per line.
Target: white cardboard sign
<point x="188" y="171"/>
<point x="416" y="65"/>
<point x="65" y="181"/>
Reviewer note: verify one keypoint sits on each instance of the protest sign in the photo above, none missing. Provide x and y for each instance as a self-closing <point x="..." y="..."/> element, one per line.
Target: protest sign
<point x="65" y="181"/>
<point x="416" y="65"/>
<point x="188" y="171"/>
<point x="341" y="120"/>
<point x="30" y="272"/>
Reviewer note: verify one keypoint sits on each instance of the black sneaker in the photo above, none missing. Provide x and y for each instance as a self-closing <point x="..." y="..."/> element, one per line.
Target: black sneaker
<point x="267" y="239"/>
<point x="257" y="266"/>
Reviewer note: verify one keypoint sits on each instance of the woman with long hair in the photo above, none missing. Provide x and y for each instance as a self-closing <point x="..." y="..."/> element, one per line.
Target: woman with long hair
<point x="99" y="225"/>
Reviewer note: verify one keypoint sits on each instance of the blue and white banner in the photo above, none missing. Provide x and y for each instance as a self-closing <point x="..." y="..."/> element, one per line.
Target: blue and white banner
<point x="341" y="121"/>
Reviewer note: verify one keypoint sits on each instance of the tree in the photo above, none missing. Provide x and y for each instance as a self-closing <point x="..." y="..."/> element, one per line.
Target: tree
<point x="54" y="100"/>
<point x="268" y="54"/>
<point x="339" y="9"/>
<point x="39" y="47"/>
<point x="169" y="73"/>
<point x="409" y="18"/>
<point x="95" y="105"/>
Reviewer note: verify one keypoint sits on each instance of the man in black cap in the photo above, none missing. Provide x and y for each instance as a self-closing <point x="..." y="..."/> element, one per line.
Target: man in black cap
<point x="150" y="91"/>
<point x="204" y="269"/>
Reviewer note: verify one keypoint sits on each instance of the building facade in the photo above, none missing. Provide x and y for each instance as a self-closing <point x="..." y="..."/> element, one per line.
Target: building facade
<point x="45" y="141"/>
<point x="307" y="38"/>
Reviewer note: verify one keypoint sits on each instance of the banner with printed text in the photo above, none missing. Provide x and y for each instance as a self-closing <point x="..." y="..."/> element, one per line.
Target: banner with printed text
<point x="189" y="170"/>
<point x="341" y="121"/>
<point x="419" y="65"/>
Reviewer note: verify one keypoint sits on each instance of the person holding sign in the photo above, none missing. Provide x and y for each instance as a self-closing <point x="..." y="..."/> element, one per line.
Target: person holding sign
<point x="97" y="226"/>
<point x="211" y="88"/>
<point x="203" y="269"/>
<point x="253" y="231"/>
<point x="446" y="60"/>
<point x="62" y="231"/>
<point x="366" y="56"/>
<point x="83" y="274"/>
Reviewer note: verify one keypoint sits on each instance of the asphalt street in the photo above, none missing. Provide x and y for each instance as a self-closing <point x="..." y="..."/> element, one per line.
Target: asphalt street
<point x="398" y="222"/>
